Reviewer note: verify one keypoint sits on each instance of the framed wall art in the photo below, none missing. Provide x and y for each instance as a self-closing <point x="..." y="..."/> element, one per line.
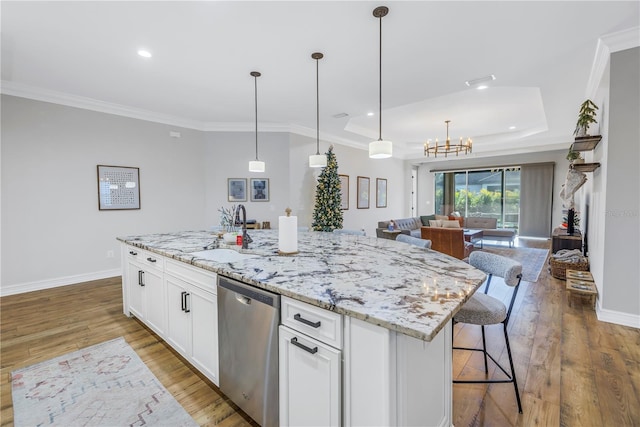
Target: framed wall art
<point x="344" y="192"/>
<point x="259" y="189"/>
<point x="381" y="193"/>
<point x="118" y="188"/>
<point x="237" y="189"/>
<point x="363" y="192"/>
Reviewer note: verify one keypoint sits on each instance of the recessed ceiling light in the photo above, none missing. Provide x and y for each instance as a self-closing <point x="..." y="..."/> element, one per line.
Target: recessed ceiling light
<point x="480" y="82"/>
<point x="370" y="114"/>
<point x="512" y="127"/>
<point x="144" y="53"/>
<point x="482" y="87"/>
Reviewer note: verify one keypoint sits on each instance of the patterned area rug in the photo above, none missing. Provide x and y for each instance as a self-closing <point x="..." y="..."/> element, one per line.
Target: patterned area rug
<point x="102" y="385"/>
<point x="532" y="259"/>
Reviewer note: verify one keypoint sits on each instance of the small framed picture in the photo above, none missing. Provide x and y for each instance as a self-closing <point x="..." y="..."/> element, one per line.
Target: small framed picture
<point x="381" y="193"/>
<point x="118" y="188"/>
<point x="344" y="192"/>
<point x="259" y="188"/>
<point x="363" y="192"/>
<point x="237" y="189"/>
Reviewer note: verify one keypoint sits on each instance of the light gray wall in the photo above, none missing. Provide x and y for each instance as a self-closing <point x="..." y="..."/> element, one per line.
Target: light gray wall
<point x="352" y="162"/>
<point x="426" y="178"/>
<point x="52" y="230"/>
<point x="53" y="233"/>
<point x="619" y="267"/>
<point x="227" y="156"/>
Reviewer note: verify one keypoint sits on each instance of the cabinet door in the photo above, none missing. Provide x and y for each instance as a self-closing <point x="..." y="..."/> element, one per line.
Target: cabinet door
<point x="135" y="290"/>
<point x="310" y="381"/>
<point x="204" y="334"/>
<point x="154" y="301"/>
<point x="178" y="318"/>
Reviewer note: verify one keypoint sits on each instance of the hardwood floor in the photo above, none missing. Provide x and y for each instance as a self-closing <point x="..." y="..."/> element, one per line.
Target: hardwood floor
<point x="572" y="369"/>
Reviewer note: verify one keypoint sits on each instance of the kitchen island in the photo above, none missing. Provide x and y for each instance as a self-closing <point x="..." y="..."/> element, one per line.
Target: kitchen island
<point x="394" y="302"/>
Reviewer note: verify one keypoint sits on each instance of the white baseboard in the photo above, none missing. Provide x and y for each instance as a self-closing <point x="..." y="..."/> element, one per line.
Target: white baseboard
<point x="617" y="317"/>
<point x="60" y="281"/>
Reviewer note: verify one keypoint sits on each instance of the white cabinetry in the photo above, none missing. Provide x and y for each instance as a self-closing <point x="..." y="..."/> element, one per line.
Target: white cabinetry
<point x="192" y="310"/>
<point x="177" y="301"/>
<point x="310" y="369"/>
<point x="146" y="295"/>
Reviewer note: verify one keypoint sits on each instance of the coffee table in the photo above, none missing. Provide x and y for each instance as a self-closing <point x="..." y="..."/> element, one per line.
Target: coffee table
<point x="473" y="236"/>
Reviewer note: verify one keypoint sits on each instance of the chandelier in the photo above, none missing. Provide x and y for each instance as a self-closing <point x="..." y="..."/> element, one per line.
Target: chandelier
<point x="447" y="147"/>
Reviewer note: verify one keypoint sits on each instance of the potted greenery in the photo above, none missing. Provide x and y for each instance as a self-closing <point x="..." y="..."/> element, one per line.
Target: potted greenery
<point x="586" y="116"/>
<point x="574" y="156"/>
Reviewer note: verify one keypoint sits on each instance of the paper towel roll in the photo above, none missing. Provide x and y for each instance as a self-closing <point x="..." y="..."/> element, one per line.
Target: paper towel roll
<point x="288" y="234"/>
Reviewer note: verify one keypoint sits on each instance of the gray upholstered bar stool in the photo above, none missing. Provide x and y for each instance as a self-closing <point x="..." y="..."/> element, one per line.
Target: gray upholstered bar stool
<point x="482" y="309"/>
<point x="415" y="241"/>
<point x="352" y="232"/>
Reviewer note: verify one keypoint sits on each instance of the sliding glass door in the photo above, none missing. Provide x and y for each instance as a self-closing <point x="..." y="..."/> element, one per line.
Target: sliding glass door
<point x="493" y="193"/>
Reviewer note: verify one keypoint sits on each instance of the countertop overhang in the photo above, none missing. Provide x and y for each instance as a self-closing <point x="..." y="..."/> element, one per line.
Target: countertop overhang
<point x="391" y="284"/>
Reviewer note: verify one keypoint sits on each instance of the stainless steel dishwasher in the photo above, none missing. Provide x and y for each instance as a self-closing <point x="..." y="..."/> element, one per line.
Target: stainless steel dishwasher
<point x="248" y="319"/>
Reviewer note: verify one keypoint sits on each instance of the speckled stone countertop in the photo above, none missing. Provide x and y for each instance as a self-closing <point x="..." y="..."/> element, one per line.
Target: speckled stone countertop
<point x="391" y="284"/>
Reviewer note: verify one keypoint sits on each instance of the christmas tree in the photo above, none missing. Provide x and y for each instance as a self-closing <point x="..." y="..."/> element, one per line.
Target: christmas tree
<point x="327" y="215"/>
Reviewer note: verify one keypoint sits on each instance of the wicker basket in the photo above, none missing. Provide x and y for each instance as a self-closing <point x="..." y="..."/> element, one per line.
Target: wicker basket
<point x="559" y="268"/>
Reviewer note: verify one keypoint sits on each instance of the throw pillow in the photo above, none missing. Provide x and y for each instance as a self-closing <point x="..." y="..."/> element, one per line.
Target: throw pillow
<point x="442" y="217"/>
<point x="435" y="223"/>
<point x="426" y="218"/>
<point x="451" y="224"/>
<point x="456" y="214"/>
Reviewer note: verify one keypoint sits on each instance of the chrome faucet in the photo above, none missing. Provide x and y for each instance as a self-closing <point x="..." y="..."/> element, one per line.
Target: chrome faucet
<point x="245" y="237"/>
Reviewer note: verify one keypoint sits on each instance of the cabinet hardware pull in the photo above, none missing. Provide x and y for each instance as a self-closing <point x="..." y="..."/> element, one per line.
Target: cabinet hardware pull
<point x="186" y="305"/>
<point x="183" y="300"/>
<point x="306" y="322"/>
<point x="133" y="253"/>
<point x="295" y="342"/>
<point x="151" y="259"/>
<point x="140" y="277"/>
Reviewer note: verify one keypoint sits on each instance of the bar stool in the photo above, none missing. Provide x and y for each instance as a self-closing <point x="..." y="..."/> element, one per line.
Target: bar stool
<point x="482" y="309"/>
<point x="415" y="241"/>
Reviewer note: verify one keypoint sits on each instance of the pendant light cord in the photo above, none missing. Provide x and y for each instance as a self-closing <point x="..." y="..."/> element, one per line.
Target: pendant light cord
<point x="317" y="108"/>
<point x="255" y="79"/>
<point x="380" y="87"/>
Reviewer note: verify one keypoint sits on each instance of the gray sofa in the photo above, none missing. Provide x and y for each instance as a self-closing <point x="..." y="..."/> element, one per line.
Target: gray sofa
<point x="489" y="229"/>
<point x="410" y="226"/>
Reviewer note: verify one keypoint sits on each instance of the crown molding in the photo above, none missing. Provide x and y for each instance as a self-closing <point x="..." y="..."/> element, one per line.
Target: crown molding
<point x="607" y="45"/>
<point x="245" y="127"/>
<point x="46" y="95"/>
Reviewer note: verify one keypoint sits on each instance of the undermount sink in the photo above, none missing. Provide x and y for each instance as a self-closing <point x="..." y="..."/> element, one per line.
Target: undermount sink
<point x="222" y="255"/>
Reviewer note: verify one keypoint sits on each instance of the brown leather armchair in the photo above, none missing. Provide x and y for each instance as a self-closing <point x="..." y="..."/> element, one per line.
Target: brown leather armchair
<point x="449" y="241"/>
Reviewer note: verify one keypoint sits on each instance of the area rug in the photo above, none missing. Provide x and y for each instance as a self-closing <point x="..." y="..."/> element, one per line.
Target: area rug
<point x="103" y="385"/>
<point x="532" y="259"/>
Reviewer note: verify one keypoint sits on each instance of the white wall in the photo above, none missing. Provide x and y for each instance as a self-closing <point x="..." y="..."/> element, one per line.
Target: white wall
<point x="52" y="230"/>
<point x="53" y="233"/>
<point x="227" y="156"/>
<point x="426" y="179"/>
<point x="352" y="162"/>
<point x="616" y="199"/>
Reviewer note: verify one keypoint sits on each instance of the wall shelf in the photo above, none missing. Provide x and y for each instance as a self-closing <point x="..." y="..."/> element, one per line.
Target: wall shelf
<point x="586" y="143"/>
<point x="585" y="167"/>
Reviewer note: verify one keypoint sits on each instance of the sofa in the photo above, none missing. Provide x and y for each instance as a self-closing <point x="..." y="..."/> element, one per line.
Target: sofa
<point x="410" y="226"/>
<point x="448" y="241"/>
<point x="489" y="229"/>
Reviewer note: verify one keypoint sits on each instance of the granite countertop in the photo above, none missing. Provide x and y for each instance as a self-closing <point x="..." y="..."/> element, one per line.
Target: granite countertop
<point x="391" y="284"/>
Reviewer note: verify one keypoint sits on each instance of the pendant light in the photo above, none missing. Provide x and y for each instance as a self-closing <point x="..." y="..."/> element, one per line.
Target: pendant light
<point x="256" y="165"/>
<point x="317" y="160"/>
<point x="380" y="149"/>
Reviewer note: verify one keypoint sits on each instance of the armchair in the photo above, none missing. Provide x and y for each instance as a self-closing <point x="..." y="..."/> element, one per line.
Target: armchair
<point x="449" y="241"/>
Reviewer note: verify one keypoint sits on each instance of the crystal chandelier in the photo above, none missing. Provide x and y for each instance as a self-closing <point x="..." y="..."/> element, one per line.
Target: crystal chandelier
<point x="447" y="148"/>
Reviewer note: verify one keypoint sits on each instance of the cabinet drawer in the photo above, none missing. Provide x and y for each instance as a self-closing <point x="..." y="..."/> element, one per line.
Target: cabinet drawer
<point x="315" y="322"/>
<point x="144" y="258"/>
<point x="203" y="279"/>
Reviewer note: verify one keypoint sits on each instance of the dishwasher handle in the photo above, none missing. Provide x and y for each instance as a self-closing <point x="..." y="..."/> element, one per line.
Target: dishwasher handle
<point x="248" y="291"/>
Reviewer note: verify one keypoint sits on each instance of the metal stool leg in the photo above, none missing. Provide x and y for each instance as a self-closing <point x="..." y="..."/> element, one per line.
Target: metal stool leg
<point x="484" y="351"/>
<point x="513" y="371"/>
